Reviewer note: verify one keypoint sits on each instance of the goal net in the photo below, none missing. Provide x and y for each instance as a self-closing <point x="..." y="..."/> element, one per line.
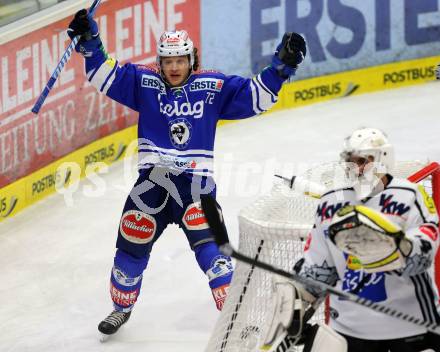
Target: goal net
<point x="273" y="229"/>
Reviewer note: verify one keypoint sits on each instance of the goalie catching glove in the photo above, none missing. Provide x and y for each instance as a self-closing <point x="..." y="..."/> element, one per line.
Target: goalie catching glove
<point x="378" y="243"/>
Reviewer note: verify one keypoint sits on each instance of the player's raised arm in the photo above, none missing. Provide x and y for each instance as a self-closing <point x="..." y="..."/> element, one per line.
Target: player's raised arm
<point x="103" y="72"/>
<point x="244" y="97"/>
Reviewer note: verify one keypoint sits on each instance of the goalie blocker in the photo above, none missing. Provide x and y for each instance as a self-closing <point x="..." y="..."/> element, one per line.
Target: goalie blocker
<point x="292" y="309"/>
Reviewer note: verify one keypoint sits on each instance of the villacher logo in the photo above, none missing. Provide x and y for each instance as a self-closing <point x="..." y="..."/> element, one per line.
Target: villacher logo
<point x="194" y="217"/>
<point x="137" y="227"/>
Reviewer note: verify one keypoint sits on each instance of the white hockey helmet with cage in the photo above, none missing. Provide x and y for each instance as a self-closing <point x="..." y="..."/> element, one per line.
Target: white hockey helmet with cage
<point x="366" y="143"/>
<point x="175" y="43"/>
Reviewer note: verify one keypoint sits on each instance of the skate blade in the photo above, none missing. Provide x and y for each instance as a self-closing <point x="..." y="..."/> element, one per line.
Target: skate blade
<point x="103" y="337"/>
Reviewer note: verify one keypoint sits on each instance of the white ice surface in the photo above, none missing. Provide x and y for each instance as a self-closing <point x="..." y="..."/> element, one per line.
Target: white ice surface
<point x="55" y="260"/>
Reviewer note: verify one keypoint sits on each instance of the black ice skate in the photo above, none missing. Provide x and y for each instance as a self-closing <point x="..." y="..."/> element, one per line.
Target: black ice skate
<point x="113" y="322"/>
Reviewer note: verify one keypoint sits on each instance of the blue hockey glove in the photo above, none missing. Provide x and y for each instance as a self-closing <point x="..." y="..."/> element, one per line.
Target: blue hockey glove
<point x="84" y="25"/>
<point x="289" y="54"/>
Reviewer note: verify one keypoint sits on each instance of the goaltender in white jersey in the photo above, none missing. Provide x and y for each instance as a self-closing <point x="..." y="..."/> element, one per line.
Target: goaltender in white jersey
<point x="378" y="240"/>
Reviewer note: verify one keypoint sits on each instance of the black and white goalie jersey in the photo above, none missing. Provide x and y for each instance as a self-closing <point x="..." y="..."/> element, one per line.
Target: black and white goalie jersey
<point x="411" y="289"/>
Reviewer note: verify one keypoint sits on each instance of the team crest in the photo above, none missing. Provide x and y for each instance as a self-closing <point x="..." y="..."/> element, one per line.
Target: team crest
<point x="178" y="93"/>
<point x="180" y="133"/>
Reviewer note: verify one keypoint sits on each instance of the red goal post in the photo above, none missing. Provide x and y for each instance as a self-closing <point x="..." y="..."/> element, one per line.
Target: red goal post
<point x="431" y="171"/>
<point x="273" y="229"/>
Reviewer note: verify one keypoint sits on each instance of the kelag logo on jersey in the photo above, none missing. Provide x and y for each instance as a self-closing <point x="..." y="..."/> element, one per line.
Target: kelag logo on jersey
<point x="392" y="207"/>
<point x="180" y="133"/>
<point x="326" y="212"/>
<point x="211" y="84"/>
<point x="185" y="109"/>
<point x="149" y="81"/>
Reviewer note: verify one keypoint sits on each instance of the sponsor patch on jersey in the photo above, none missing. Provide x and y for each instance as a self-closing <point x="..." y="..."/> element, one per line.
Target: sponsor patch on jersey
<point x="220" y="294"/>
<point x="137" y="227"/>
<point x="210" y="84"/>
<point x="185" y="163"/>
<point x="429" y="231"/>
<point x="353" y="263"/>
<point x="370" y="286"/>
<point x="123" y="298"/>
<point x="149" y="81"/>
<point x="180" y="133"/>
<point x="429" y="202"/>
<point x="326" y="211"/>
<point x="195" y="110"/>
<point x="391" y="206"/>
<point x="194" y="217"/>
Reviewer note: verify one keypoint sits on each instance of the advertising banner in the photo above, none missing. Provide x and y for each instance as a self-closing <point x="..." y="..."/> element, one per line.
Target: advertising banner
<point x="75" y="114"/>
<point x="341" y="35"/>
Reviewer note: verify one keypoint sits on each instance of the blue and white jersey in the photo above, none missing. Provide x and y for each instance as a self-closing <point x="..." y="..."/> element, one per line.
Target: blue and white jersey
<point x="177" y="125"/>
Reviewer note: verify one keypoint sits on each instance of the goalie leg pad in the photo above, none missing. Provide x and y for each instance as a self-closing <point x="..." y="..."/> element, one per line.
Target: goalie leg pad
<point x="323" y="338"/>
<point x="287" y="308"/>
<point x="126" y="280"/>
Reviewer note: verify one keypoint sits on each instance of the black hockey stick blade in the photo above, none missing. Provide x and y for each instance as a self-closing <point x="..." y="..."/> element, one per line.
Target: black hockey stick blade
<point x="289" y="181"/>
<point x="214" y="216"/>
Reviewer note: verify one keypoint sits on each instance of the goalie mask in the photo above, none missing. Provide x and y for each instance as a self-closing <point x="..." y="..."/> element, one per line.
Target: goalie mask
<point x="368" y="156"/>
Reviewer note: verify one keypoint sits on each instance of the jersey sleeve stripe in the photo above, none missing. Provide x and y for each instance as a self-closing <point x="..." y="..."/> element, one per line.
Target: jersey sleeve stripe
<point x="102" y="74"/>
<point x="191" y="155"/>
<point x="432" y="301"/>
<point x="274" y="98"/>
<point x="108" y="82"/>
<point x="91" y="74"/>
<point x="200" y="172"/>
<point x="264" y="98"/>
<point x="149" y="146"/>
<point x="419" y="297"/>
<point x="255" y="105"/>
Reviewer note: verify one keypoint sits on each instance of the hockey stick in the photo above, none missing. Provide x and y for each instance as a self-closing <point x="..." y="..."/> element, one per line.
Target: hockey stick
<point x="66" y="56"/>
<point x="215" y="220"/>
<point x="311" y="189"/>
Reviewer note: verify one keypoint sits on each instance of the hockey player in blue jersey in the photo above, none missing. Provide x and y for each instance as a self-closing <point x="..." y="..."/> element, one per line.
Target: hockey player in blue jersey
<point x="179" y="108"/>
